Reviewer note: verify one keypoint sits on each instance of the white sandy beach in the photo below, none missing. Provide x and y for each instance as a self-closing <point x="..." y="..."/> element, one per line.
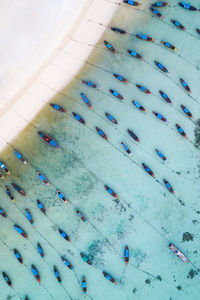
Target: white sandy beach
<point x="34" y="36"/>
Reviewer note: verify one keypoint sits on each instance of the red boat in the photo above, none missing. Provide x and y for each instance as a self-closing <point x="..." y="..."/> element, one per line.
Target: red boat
<point x="102" y="134"/>
<point x="133" y="135"/>
<point x="48" y="139"/>
<point x="178" y="253"/>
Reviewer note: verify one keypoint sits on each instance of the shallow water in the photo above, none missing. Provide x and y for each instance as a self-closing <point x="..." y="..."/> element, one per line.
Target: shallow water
<point x="146" y="217"/>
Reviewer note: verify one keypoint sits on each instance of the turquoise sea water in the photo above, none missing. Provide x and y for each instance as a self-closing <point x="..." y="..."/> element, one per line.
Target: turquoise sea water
<point x="146" y="217"/>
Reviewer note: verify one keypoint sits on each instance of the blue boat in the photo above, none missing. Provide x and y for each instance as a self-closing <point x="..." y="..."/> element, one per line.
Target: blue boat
<point x="3" y="213"/>
<point x="156" y="12"/>
<point x="116" y="94"/>
<point x="57" y="107"/>
<point x="84" y="285"/>
<point x="78" y="118"/>
<point x="111" y="118"/>
<point x="185" y="85"/>
<point x="169" y="46"/>
<point x="43" y="178"/>
<point x="109" y="277"/>
<point x="64" y="235"/>
<point x="178" y="24"/>
<point x="161" y="155"/>
<point x="186" y="111"/>
<point x="20" y="157"/>
<point x="159" y="4"/>
<point x="102" y="134"/>
<point x="110" y="191"/>
<point x="160" y="66"/>
<point x="35" y="272"/>
<point x="20" y="231"/>
<point x="29" y="216"/>
<point x="120" y="78"/>
<point x="7" y="279"/>
<point x="181" y="131"/>
<point x="145" y="37"/>
<point x="62" y="196"/>
<point x="138" y="105"/>
<point x="109" y="46"/>
<point x="85" y="99"/>
<point x="128" y="151"/>
<point x="40" y="250"/>
<point x="18" y="256"/>
<point x="131" y="2"/>
<point x="67" y="263"/>
<point x="41" y="207"/>
<point x="160" y="117"/>
<point x="89" y="83"/>
<point x="118" y="30"/>
<point x="126" y="255"/>
<point x="148" y="170"/>
<point x="187" y="6"/>
<point x="57" y="274"/>
<point x="165" y="97"/>
<point x="134" y="54"/>
<point x="143" y="89"/>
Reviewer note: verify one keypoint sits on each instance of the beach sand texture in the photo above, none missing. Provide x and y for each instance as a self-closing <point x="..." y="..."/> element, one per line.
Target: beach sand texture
<point x="146" y="217"/>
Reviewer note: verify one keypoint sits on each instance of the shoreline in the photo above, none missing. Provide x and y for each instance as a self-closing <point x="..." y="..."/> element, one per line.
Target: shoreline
<point x="24" y="106"/>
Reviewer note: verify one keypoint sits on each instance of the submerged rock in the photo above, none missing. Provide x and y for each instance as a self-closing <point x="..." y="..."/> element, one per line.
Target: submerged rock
<point x="159" y="277"/>
<point x="197" y="134"/>
<point x="191" y="274"/>
<point x="148" y="281"/>
<point x="134" y="291"/>
<point x="187" y="236"/>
